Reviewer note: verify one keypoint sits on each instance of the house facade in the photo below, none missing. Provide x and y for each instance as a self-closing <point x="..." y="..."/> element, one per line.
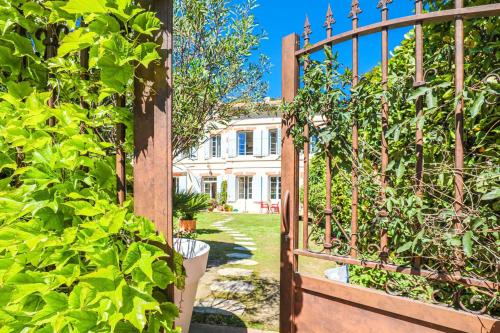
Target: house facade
<point x="245" y="154"/>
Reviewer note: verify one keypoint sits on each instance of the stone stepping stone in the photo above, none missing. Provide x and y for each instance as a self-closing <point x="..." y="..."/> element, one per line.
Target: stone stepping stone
<point x="239" y="255"/>
<point x="242" y="248"/>
<point x="243" y="238"/>
<point x="235" y="287"/>
<point x="246" y="243"/>
<point x="219" y="306"/>
<point x="234" y="272"/>
<point x="243" y="262"/>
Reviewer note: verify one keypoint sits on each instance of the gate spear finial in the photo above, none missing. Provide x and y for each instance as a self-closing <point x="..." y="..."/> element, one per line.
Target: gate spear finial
<point x="307" y="31"/>
<point x="329" y="21"/>
<point x="382" y="4"/>
<point x="355" y="10"/>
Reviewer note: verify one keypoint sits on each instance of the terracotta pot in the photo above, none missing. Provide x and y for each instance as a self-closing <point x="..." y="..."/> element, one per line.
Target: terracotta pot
<point x="187" y="225"/>
<point x="195" y="255"/>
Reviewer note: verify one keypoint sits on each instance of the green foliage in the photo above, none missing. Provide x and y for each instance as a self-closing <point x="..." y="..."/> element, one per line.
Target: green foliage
<point x="188" y="204"/>
<point x="223" y="193"/>
<point x="418" y="226"/>
<point x="214" y="68"/>
<point x="71" y="259"/>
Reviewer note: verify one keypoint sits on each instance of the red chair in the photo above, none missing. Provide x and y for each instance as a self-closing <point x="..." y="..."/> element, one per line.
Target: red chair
<point x="264" y="205"/>
<point x="275" y="208"/>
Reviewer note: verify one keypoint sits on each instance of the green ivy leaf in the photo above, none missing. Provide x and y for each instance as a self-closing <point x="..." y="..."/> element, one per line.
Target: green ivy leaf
<point x="146" y="23"/>
<point x="162" y="275"/>
<point x="405" y="247"/>
<point x="54" y="303"/>
<point x="478" y="103"/>
<point x="135" y="305"/>
<point x="113" y="75"/>
<point x="84" y="208"/>
<point x="85" y="6"/>
<point x="467" y="243"/>
<point x="146" y="53"/>
<point x="75" y="41"/>
<point x="492" y="195"/>
<point x="420" y="91"/>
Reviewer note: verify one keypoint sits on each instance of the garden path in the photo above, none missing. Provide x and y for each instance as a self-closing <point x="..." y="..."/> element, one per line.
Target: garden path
<point x="233" y="292"/>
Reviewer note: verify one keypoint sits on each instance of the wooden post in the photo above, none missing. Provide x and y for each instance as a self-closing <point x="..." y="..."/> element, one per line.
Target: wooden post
<point x="290" y="188"/>
<point x="153" y="131"/>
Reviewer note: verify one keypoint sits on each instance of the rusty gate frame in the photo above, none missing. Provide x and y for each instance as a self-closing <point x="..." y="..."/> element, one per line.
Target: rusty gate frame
<point x="310" y="304"/>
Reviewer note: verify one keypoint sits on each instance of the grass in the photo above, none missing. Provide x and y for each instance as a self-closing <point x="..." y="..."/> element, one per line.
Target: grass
<point x="262" y="306"/>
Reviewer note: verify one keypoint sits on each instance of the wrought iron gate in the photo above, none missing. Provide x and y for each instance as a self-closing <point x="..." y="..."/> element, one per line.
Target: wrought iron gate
<point x="310" y="304"/>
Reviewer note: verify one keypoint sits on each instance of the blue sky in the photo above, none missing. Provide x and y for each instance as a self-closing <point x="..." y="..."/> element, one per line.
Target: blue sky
<point x="279" y="18"/>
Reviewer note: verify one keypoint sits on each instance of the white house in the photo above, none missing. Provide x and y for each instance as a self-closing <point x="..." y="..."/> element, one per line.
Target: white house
<point x="246" y="154"/>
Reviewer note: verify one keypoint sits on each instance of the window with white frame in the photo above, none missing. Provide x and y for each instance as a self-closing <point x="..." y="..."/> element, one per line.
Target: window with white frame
<point x="176" y="184"/>
<point x="275" y="187"/>
<point x="245" y="143"/>
<point x="245" y="187"/>
<point x="273" y="142"/>
<point x="215" y="146"/>
<point x="209" y="185"/>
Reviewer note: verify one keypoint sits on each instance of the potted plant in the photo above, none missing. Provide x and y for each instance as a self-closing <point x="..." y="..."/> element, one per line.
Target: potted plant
<point x="186" y="206"/>
<point x="213" y="205"/>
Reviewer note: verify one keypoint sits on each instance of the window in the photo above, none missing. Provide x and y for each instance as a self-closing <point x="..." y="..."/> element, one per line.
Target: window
<point x="176" y="184"/>
<point x="275" y="188"/>
<point x="191" y="153"/>
<point x="273" y="142"/>
<point x="313" y="144"/>
<point x="209" y="185"/>
<point x="215" y="146"/>
<point x="245" y="143"/>
<point x="245" y="187"/>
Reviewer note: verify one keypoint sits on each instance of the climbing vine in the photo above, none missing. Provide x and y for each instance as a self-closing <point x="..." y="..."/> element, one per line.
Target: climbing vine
<point x="419" y="226"/>
<point x="71" y="258"/>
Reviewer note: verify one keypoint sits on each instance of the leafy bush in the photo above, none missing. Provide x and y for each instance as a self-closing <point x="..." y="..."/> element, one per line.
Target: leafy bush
<point x="71" y="259"/>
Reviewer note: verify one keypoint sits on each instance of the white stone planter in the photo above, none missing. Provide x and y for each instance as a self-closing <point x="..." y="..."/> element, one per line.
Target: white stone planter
<point x="195" y="255"/>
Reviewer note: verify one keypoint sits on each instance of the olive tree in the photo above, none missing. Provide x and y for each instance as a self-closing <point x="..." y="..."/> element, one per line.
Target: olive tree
<point x="215" y="65"/>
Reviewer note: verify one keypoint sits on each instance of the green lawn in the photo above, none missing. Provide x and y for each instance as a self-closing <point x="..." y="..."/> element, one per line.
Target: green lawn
<point x="264" y="229"/>
<point x="262" y="306"/>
